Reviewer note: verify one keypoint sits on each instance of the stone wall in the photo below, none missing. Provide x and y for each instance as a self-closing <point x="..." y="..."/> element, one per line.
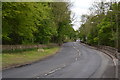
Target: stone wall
<point x="14" y="47"/>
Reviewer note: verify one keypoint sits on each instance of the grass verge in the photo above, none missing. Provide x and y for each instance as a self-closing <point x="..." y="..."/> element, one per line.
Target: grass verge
<point x="24" y="57"/>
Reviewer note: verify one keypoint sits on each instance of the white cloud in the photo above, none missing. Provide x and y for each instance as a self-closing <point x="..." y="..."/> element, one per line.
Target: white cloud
<point x="79" y="8"/>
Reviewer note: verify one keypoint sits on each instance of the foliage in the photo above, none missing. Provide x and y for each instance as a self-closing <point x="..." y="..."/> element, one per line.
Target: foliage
<point x="36" y="22"/>
<point x="100" y="27"/>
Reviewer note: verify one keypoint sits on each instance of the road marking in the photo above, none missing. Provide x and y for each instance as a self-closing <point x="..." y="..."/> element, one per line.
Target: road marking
<point x="115" y="61"/>
<point x="78" y="51"/>
<point x="53" y="71"/>
<point x="76" y="59"/>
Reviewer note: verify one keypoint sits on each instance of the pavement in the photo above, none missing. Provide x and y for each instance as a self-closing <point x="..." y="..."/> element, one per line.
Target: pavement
<point x="74" y="60"/>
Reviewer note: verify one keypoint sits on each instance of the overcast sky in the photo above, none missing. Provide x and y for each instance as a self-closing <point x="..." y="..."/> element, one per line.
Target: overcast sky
<point x="81" y="7"/>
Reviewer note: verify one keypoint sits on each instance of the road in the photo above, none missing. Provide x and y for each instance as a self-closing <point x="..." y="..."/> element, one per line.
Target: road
<point x="74" y="60"/>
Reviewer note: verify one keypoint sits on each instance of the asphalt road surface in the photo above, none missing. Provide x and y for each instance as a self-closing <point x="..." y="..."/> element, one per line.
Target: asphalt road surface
<point x="74" y="60"/>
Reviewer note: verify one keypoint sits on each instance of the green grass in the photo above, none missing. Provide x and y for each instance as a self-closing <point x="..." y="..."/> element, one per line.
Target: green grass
<point x="18" y="58"/>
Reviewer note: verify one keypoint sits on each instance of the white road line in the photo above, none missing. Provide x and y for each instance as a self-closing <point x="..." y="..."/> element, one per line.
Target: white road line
<point x="115" y="61"/>
<point x="78" y="51"/>
<point x="76" y="59"/>
<point x="46" y="74"/>
<point x="52" y="71"/>
<point x="37" y="77"/>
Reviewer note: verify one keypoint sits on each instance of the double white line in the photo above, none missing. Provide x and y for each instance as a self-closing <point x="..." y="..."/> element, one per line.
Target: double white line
<point x="78" y="51"/>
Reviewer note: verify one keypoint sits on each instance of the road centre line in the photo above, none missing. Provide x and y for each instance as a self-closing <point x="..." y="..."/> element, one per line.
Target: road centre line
<point x="53" y="71"/>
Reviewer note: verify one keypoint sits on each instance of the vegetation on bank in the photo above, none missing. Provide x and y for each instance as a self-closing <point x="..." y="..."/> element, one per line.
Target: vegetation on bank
<point x="102" y="26"/>
<point x="36" y="23"/>
<point x="24" y="57"/>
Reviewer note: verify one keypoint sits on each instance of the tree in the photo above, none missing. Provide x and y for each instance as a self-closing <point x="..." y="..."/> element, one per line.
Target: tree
<point x="31" y="23"/>
<point x="102" y="26"/>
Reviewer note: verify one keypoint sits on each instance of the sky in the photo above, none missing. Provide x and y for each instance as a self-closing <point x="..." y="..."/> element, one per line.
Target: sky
<point x="79" y="8"/>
